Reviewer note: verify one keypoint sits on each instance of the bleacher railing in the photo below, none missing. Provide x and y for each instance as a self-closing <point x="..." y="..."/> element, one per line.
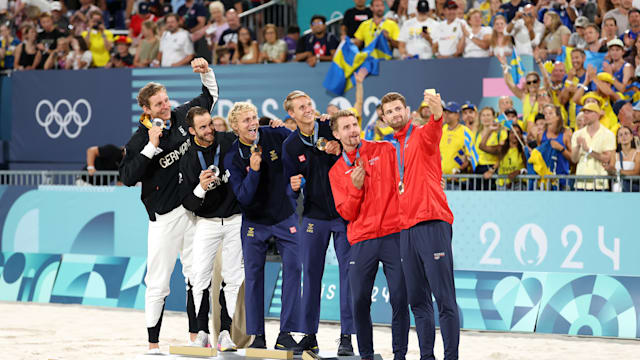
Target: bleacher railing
<point x="452" y="182"/>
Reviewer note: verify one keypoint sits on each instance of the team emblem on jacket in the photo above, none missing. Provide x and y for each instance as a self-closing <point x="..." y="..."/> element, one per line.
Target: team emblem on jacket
<point x="302" y="158"/>
<point x="273" y="155"/>
<point x="310" y="228"/>
<point x="184" y="133"/>
<point x="251" y="232"/>
<point x="437" y="256"/>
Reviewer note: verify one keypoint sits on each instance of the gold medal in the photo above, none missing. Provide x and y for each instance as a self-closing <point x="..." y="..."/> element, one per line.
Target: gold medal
<point x="321" y="144"/>
<point x="401" y="187"/>
<point x="255" y="148"/>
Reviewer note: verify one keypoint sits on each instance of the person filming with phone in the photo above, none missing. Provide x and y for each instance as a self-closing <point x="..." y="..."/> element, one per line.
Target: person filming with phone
<point x="99" y="39"/>
<point x="415" y="40"/>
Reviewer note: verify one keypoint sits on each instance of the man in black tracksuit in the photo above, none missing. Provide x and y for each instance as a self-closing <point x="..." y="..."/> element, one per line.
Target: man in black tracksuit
<point x="205" y="190"/>
<point x="152" y="157"/>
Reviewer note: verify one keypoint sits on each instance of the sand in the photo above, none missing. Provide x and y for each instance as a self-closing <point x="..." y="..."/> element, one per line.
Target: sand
<point x="50" y="331"/>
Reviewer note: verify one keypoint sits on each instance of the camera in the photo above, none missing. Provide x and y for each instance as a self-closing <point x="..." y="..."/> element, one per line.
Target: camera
<point x="97" y="25"/>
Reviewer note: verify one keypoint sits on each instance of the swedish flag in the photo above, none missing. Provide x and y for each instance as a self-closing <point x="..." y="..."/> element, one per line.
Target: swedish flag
<point x="348" y="59"/>
<point x="591" y="58"/>
<point x="517" y="70"/>
<point x="471" y="148"/>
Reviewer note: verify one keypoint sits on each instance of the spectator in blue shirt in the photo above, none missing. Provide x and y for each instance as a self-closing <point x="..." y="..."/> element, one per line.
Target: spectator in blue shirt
<point x="319" y="45"/>
<point x="509" y="9"/>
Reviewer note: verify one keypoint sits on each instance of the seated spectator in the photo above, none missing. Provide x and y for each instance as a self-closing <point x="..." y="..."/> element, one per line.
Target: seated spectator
<point x="122" y="58"/>
<point x="292" y="38"/>
<point x="630" y="36"/>
<point x="229" y="37"/>
<point x="223" y="56"/>
<point x="609" y="30"/>
<point x="500" y="41"/>
<point x="509" y="9"/>
<point x="28" y="56"/>
<point x="369" y="29"/>
<point x="488" y="141"/>
<point x="319" y="45"/>
<point x="592" y="39"/>
<point x="576" y="39"/>
<point x="47" y="41"/>
<point x="477" y="38"/>
<point x="149" y="44"/>
<point x="414" y="39"/>
<point x="592" y="146"/>
<point x="79" y="57"/>
<point x="621" y="71"/>
<point x="354" y="17"/>
<point x="526" y="30"/>
<point x="274" y="50"/>
<point x="620" y="13"/>
<point x="513" y="160"/>
<point x="58" y="59"/>
<point x="247" y="50"/>
<point x="99" y="39"/>
<point x="137" y="19"/>
<point x="624" y="161"/>
<point x="60" y="21"/>
<point x="176" y="48"/>
<point x="555" y="35"/>
<point x="448" y="37"/>
<point x="8" y="44"/>
<point x="220" y="124"/>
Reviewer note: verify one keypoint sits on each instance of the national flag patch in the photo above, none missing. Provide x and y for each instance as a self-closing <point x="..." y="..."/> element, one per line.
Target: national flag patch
<point x="293" y="230"/>
<point x="302" y="158"/>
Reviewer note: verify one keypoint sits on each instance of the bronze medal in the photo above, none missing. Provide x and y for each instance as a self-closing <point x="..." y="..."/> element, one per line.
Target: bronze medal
<point x="401" y="187"/>
<point x="255" y="148"/>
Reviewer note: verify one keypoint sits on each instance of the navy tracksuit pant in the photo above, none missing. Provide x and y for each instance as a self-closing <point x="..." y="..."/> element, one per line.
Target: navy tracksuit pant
<point x="314" y="240"/>
<point x="427" y="262"/>
<point x="365" y="257"/>
<point x="254" y="249"/>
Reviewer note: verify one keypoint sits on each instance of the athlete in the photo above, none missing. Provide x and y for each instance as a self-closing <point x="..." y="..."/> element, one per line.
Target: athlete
<point x="257" y="179"/>
<point x="152" y="157"/>
<point x="425" y="242"/>
<point x="308" y="155"/>
<point x="364" y="185"/>
<point x="206" y="191"/>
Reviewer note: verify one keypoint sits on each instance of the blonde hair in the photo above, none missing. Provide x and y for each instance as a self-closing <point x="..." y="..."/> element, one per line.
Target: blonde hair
<point x="148" y="91"/>
<point x="292" y="96"/>
<point x="237" y="109"/>
<point x="216" y="5"/>
<point x="269" y="27"/>
<point x="338" y="115"/>
<point x="151" y="25"/>
<point x="226" y="126"/>
<point x="473" y="12"/>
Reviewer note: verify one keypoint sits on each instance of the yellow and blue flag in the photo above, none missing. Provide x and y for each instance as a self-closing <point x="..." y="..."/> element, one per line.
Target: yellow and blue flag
<point x="348" y="60"/>
<point x="591" y="58"/>
<point x="517" y="70"/>
<point x="471" y="148"/>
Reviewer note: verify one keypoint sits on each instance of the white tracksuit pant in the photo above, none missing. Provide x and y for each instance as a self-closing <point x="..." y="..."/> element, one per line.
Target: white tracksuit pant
<point x="171" y="234"/>
<point x="209" y="235"/>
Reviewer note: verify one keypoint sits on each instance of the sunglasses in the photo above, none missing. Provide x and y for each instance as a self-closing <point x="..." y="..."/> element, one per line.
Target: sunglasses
<point x="317" y="23"/>
<point x="531" y="82"/>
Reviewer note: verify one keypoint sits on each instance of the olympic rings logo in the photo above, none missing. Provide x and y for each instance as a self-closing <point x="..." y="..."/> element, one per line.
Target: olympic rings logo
<point x="55" y="114"/>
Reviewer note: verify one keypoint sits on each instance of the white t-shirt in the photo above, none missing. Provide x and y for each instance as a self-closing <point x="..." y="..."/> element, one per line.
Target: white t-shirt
<point x="410" y="34"/>
<point x="471" y="50"/>
<point x="174" y="47"/>
<point x="86" y="57"/>
<point x="520" y="33"/>
<point x="448" y="35"/>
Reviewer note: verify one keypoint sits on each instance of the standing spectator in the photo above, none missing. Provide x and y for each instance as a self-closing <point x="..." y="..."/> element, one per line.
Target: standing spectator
<point x="292" y="38"/>
<point x="620" y="13"/>
<point x="470" y="116"/>
<point x="555" y="35"/>
<point x="454" y="155"/>
<point x="509" y="9"/>
<point x="559" y="138"/>
<point x="176" y="48"/>
<point x="59" y="19"/>
<point x="576" y="39"/>
<point x="621" y="71"/>
<point x="273" y="50"/>
<point x="592" y="146"/>
<point x="122" y="58"/>
<point x="448" y="37"/>
<point x="631" y="34"/>
<point x="488" y="141"/>
<point x="247" y="51"/>
<point x="193" y="17"/>
<point x="143" y="14"/>
<point x="528" y="93"/>
<point x="526" y="30"/>
<point x="80" y="57"/>
<point x="500" y="41"/>
<point x="609" y="29"/>
<point x="592" y="41"/>
<point x="8" y="45"/>
<point x="354" y="16"/>
<point x="370" y="29"/>
<point x="149" y="45"/>
<point x="99" y="39"/>
<point x="625" y="161"/>
<point x="48" y="37"/>
<point x="414" y="38"/>
<point x="28" y="56"/>
<point x="217" y="25"/>
<point x="81" y="16"/>
<point x="477" y="37"/>
<point x="512" y="159"/>
<point x="319" y="45"/>
<point x="58" y="59"/>
<point x="229" y="38"/>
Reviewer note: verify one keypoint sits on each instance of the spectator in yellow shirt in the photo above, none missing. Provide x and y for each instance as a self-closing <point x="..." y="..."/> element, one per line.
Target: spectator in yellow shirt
<point x="453" y="152"/>
<point x="99" y="39"/>
<point x="513" y="161"/>
<point x="369" y="29"/>
<point x="488" y="142"/>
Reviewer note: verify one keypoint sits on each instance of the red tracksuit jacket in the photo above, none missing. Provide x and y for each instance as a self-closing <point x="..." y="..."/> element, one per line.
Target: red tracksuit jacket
<point x="374" y="210"/>
<point x="423" y="198"/>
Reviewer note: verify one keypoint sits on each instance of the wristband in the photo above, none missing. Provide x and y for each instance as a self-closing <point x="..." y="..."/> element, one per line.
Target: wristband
<point x="91" y="168"/>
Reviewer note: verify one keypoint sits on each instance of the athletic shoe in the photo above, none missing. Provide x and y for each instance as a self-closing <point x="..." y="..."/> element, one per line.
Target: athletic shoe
<point x="225" y="343"/>
<point x="309" y="342"/>
<point x="154" y="351"/>
<point x="286" y="342"/>
<point x="345" y="348"/>
<point x="259" y="342"/>
<point x="202" y="340"/>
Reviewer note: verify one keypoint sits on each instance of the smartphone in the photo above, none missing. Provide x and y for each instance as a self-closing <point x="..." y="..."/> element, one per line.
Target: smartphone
<point x="430" y="91"/>
<point x="425" y="29"/>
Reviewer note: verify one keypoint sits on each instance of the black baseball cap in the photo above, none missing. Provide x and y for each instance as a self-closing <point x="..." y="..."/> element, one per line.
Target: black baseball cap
<point x="423" y="6"/>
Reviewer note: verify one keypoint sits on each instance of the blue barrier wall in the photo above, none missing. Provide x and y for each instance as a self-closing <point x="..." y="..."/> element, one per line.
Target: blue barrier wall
<point x="56" y="115"/>
<point x="524" y="261"/>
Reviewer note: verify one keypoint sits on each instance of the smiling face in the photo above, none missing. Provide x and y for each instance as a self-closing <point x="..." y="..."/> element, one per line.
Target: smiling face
<point x="624" y="136"/>
<point x="302" y="111"/>
<point x="499" y="25"/>
<point x="486" y="117"/>
<point x="244" y="36"/>
<point x="395" y="114"/>
<point x="246" y="125"/>
<point x="159" y="106"/>
<point x="203" y="129"/>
